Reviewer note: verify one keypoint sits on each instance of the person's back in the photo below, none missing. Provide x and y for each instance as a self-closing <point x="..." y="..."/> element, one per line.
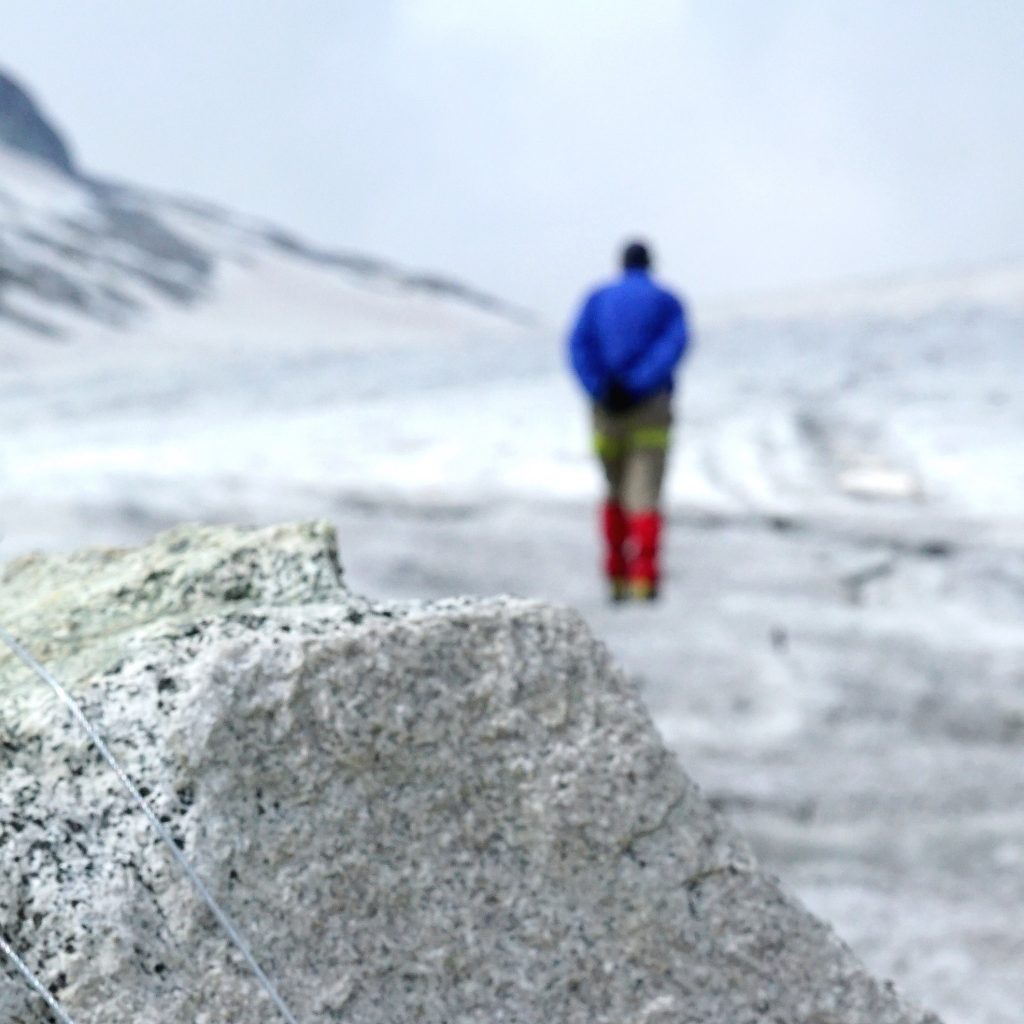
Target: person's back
<point x="627" y="317"/>
<point x="624" y="348"/>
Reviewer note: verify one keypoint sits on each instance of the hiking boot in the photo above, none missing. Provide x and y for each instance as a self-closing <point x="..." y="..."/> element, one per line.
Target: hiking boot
<point x="643" y="590"/>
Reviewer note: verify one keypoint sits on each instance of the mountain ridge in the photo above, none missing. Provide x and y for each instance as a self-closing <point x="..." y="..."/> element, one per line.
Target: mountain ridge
<point x="79" y="252"/>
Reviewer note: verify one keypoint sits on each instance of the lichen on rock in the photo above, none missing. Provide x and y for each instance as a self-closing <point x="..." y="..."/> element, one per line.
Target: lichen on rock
<point x="445" y="812"/>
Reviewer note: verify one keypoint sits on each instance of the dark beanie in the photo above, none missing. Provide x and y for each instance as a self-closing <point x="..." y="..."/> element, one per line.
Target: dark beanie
<point x="636" y="256"/>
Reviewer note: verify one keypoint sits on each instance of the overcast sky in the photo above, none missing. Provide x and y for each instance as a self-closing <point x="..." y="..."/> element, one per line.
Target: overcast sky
<point x="515" y="143"/>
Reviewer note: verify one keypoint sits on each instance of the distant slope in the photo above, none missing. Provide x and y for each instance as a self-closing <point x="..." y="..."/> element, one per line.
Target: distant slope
<point x="909" y="296"/>
<point x="78" y="255"/>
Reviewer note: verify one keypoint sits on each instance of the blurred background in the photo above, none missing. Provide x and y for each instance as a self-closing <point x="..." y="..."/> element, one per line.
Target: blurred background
<point x="263" y="261"/>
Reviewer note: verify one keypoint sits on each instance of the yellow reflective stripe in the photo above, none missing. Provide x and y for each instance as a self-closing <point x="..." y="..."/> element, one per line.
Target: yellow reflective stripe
<point x="649" y="437"/>
<point x="605" y="446"/>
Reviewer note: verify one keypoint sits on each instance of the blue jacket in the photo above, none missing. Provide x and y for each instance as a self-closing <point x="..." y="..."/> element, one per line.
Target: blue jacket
<point x="632" y="332"/>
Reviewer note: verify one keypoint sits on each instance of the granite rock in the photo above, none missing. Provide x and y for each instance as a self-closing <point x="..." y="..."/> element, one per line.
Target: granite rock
<point x="445" y="812"/>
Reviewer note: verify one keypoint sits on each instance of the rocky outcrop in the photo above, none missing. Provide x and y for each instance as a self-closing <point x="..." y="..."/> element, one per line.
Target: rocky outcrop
<point x="23" y="127"/>
<point x="447" y="812"/>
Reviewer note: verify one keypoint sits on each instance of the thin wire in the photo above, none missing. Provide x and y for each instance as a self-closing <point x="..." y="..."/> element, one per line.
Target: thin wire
<point x="34" y="983"/>
<point x="197" y="883"/>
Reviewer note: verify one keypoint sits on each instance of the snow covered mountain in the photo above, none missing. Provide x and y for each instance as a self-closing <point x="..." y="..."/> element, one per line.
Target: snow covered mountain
<point x="80" y="257"/>
<point x="162" y="326"/>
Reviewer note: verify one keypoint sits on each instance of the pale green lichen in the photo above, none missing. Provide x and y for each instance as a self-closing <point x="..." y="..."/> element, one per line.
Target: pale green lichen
<point x="77" y="612"/>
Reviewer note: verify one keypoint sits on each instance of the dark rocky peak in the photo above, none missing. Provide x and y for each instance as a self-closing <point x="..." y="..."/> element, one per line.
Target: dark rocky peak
<point x="23" y="127"/>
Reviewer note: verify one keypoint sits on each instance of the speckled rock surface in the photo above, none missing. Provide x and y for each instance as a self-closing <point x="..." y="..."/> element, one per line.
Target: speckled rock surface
<point x="448" y="813"/>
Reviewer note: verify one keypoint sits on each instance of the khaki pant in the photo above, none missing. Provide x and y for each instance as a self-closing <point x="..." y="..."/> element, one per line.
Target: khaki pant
<point x="633" y="448"/>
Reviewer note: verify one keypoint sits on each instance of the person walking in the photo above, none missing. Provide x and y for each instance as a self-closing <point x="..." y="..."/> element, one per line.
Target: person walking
<point x="626" y="345"/>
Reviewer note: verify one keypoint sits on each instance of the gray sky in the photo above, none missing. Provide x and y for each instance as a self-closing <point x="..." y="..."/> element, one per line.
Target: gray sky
<point x="515" y="143"/>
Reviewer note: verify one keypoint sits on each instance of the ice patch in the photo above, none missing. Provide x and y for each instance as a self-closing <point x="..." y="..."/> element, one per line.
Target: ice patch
<point x="882" y="482"/>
